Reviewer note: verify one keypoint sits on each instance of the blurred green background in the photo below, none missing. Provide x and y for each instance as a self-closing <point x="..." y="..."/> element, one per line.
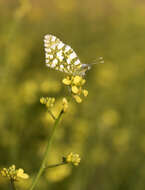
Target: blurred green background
<point x="107" y="129"/>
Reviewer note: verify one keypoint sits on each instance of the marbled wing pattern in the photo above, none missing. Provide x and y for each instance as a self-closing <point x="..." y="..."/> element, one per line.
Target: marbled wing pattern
<point x="62" y="57"/>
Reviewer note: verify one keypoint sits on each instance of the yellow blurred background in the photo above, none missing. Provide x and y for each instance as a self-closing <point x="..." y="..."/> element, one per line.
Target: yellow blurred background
<point x="107" y="129"/>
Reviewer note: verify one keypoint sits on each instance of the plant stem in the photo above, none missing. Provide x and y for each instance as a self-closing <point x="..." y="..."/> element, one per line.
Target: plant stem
<point x="55" y="165"/>
<point x="12" y="184"/>
<point x="49" y="142"/>
<point x="51" y="114"/>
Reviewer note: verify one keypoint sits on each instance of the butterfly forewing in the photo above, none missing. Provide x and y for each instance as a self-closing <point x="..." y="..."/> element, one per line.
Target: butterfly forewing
<point x="62" y="57"/>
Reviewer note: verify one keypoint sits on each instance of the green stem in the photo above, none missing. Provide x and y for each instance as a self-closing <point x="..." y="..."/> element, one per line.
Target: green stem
<point x="55" y="165"/>
<point x="49" y="142"/>
<point x="12" y="184"/>
<point x="51" y="114"/>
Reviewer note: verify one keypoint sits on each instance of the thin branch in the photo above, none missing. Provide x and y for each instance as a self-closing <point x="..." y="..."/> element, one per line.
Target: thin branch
<point x="12" y="184"/>
<point x="49" y="142"/>
<point x="55" y="165"/>
<point x="51" y="114"/>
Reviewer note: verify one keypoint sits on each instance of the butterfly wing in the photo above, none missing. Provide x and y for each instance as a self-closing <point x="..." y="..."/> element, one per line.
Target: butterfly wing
<point x="60" y="56"/>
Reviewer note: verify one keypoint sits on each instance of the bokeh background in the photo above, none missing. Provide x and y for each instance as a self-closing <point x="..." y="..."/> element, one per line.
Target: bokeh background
<point x="107" y="129"/>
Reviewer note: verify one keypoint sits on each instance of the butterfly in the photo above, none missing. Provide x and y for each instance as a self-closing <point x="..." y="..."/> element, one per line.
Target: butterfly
<point x="62" y="57"/>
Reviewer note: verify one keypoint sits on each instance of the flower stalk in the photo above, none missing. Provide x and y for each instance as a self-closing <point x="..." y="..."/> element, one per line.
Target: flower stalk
<point x="49" y="142"/>
<point x="51" y="114"/>
<point x="12" y="184"/>
<point x="55" y="165"/>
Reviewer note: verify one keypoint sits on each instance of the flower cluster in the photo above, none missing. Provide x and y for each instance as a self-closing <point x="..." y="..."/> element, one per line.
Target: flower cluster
<point x="13" y="173"/>
<point x="48" y="101"/>
<point x="76" y="83"/>
<point x="73" y="158"/>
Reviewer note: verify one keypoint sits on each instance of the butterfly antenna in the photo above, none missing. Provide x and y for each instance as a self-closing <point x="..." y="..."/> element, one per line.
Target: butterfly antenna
<point x="98" y="61"/>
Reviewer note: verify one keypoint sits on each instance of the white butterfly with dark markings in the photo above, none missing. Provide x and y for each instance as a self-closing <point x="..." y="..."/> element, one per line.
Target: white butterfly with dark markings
<point x="62" y="57"/>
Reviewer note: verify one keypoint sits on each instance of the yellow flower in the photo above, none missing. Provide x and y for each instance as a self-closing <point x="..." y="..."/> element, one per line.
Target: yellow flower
<point x="65" y="104"/>
<point x="75" y="84"/>
<point x="77" y="98"/>
<point x="85" y="93"/>
<point x="83" y="82"/>
<point x="43" y="100"/>
<point x="13" y="173"/>
<point x="21" y="174"/>
<point x="75" y="89"/>
<point x="66" y="81"/>
<point x="77" y="80"/>
<point x="73" y="158"/>
<point x="48" y="101"/>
